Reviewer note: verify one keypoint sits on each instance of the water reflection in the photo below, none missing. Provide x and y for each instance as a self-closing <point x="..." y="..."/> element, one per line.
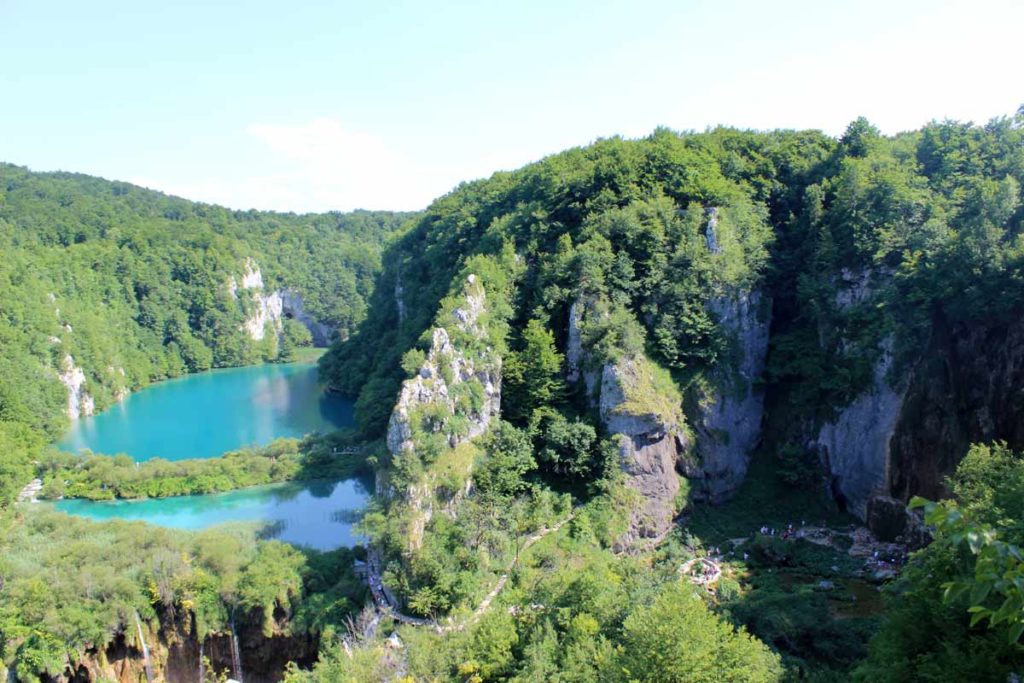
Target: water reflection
<point x="317" y="514"/>
<point x="207" y="414"/>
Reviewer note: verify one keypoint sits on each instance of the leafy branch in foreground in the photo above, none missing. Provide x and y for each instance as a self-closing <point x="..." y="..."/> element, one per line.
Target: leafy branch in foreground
<point x="998" y="568"/>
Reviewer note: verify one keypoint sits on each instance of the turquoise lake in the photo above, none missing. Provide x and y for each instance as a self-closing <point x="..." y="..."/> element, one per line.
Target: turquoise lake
<point x="314" y="514"/>
<point x="207" y="414"/>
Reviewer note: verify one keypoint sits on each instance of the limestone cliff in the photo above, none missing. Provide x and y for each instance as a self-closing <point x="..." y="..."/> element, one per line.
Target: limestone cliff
<point x="910" y="428"/>
<point x="641" y="406"/>
<point x="576" y="358"/>
<point x="727" y="417"/>
<point x="267" y="311"/>
<point x="80" y="403"/>
<point x="854" y="446"/>
<point x="451" y="400"/>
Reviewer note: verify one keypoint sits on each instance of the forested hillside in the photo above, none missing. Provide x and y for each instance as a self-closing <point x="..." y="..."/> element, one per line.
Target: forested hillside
<point x="646" y="410"/>
<point x="107" y="287"/>
<point x="633" y="324"/>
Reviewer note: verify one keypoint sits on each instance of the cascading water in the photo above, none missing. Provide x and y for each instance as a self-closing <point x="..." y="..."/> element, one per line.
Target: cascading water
<point x="145" y="649"/>
<point x="236" y="655"/>
<point x="202" y="672"/>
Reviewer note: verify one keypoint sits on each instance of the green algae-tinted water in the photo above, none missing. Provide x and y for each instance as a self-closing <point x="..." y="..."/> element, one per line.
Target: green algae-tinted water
<point x="315" y="514"/>
<point x="210" y="413"/>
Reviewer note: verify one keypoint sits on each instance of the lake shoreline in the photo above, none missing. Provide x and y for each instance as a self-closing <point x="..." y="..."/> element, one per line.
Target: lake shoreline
<point x="316" y="514"/>
<point x="208" y="414"/>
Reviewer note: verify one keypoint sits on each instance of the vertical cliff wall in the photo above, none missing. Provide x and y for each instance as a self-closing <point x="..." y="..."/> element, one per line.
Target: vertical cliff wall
<point x="640" y="405"/>
<point x="910" y="428"/>
<point x="854" y="447"/>
<point x="727" y="417"/>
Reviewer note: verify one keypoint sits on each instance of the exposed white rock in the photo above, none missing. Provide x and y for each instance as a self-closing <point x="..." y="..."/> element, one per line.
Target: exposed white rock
<point x="728" y="419"/>
<point x="434" y="387"/>
<point x="854" y="448"/>
<point x="270" y="309"/>
<point x="252" y="277"/>
<point x="430" y="385"/>
<point x="80" y="403"/>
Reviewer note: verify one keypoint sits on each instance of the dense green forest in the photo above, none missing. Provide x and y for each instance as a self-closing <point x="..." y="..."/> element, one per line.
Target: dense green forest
<point x="108" y="287"/>
<point x="543" y="353"/>
<point x="861" y="244"/>
<point x="125" y="286"/>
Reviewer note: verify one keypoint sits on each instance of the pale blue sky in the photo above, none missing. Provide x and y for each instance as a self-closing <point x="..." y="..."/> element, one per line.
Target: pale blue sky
<point x="308" y="106"/>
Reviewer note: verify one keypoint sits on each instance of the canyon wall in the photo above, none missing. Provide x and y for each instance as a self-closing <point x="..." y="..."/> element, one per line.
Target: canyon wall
<point x="727" y="418"/>
<point x="644" y="411"/>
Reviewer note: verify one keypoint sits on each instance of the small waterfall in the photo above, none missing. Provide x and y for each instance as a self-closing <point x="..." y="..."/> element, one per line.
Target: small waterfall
<point x="145" y="649"/>
<point x="202" y="673"/>
<point x="236" y="655"/>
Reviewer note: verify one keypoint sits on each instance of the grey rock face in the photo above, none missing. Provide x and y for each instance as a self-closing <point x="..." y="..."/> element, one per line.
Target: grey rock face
<point x="574" y="344"/>
<point x="728" y="421"/>
<point x="710" y="233"/>
<point x="650" y="445"/>
<point x="576" y="357"/>
<point x="292" y="307"/>
<point x="399" y="298"/>
<point x="854" y="448"/>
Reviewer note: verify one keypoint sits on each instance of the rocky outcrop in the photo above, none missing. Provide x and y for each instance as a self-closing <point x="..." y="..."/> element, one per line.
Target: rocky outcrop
<point x="80" y="403"/>
<point x="399" y="298"/>
<point x="268" y="313"/>
<point x="292" y="306"/>
<point x="648" y="422"/>
<point x="452" y="399"/>
<point x="268" y="310"/>
<point x="854" y="447"/>
<point x="727" y="419"/>
<point x="436" y="386"/>
<point x="711" y="230"/>
<point x="577" y="360"/>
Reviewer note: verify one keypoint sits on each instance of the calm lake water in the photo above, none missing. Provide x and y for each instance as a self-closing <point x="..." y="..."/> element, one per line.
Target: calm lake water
<point x="210" y="413"/>
<point x="313" y="514"/>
